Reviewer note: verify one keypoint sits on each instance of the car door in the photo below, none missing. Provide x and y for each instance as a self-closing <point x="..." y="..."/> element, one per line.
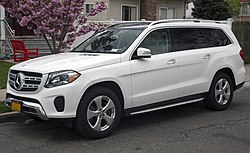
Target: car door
<point x="195" y="57"/>
<point x="155" y="79"/>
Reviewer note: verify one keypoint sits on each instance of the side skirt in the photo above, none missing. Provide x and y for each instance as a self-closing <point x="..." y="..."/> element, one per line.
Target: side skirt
<point x="239" y="85"/>
<point x="165" y="104"/>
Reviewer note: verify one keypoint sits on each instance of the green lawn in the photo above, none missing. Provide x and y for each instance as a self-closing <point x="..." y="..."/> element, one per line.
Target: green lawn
<point x="3" y="108"/>
<point x="4" y="68"/>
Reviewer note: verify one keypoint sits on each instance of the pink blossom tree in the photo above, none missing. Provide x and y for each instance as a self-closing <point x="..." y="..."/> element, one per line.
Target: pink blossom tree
<point x="60" y="20"/>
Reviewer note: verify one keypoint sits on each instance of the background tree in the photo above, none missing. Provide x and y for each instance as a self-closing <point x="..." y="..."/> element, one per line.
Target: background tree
<point x="60" y="20"/>
<point x="211" y="9"/>
<point x="234" y="7"/>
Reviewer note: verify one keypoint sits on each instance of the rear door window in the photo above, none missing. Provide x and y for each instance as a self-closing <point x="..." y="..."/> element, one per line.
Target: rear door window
<point x="183" y="39"/>
<point x="202" y="37"/>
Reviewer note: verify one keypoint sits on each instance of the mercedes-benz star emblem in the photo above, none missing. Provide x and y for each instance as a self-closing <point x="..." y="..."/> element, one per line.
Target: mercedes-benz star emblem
<point x="19" y="81"/>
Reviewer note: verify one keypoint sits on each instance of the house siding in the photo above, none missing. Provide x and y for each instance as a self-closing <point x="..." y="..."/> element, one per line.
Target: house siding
<point x="103" y="16"/>
<point x="114" y="8"/>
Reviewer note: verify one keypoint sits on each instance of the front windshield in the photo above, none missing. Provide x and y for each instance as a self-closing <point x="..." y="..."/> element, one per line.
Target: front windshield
<point x="109" y="41"/>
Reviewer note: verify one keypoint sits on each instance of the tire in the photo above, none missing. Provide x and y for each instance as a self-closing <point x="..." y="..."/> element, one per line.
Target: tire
<point x="220" y="93"/>
<point x="98" y="113"/>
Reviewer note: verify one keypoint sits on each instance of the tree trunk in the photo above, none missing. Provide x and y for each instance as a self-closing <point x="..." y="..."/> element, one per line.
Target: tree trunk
<point x="50" y="48"/>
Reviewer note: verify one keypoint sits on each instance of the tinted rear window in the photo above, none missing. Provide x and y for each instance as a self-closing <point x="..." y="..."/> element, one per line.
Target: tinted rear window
<point x="196" y="38"/>
<point x="183" y="39"/>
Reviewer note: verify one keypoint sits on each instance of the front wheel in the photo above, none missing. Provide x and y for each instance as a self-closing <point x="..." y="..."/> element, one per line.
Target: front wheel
<point x="98" y="114"/>
<point x="221" y="92"/>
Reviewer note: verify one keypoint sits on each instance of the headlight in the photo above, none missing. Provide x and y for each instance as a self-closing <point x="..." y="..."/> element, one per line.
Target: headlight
<point x="61" y="78"/>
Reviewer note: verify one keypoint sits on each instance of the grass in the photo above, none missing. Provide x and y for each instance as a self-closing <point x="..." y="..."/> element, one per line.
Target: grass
<point x="3" y="108"/>
<point x="4" y="68"/>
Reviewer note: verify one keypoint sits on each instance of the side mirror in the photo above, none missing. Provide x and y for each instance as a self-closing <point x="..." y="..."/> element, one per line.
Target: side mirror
<point x="143" y="53"/>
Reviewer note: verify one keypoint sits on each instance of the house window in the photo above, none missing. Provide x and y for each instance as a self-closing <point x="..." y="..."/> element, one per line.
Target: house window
<point x="167" y="13"/>
<point x="245" y="9"/>
<point x="129" y="13"/>
<point x="88" y="7"/>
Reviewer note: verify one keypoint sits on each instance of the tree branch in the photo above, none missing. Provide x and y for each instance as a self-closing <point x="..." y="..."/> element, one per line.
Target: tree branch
<point x="47" y="41"/>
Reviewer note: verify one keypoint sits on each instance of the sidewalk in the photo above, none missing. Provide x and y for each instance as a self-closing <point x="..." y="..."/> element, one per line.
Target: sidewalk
<point x="3" y="91"/>
<point x="2" y="94"/>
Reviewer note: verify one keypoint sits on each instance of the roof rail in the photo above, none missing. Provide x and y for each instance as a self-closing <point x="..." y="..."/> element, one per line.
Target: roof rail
<point x="133" y="23"/>
<point x="186" y="20"/>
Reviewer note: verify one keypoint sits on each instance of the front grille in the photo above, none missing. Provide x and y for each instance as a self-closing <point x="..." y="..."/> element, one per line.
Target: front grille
<point x="31" y="80"/>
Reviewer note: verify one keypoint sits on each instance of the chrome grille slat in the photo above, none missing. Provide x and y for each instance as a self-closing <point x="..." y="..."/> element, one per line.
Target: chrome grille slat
<point x="29" y="86"/>
<point x="12" y="75"/>
<point x="31" y="80"/>
<point x="11" y="82"/>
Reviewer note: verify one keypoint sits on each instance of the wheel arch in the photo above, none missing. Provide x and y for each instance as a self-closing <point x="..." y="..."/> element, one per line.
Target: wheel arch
<point x="229" y="72"/>
<point x="110" y="85"/>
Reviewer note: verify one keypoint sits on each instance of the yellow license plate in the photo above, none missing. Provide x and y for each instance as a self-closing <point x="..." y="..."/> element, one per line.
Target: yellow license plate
<point x="16" y="106"/>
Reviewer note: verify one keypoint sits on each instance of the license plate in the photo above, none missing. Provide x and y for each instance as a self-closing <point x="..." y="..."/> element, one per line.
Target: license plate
<point x="16" y="106"/>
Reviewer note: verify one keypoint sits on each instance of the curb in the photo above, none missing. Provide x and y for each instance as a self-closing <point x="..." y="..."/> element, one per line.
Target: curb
<point x="10" y="116"/>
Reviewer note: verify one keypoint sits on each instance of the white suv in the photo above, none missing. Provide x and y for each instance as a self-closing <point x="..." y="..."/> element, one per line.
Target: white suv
<point x="130" y="68"/>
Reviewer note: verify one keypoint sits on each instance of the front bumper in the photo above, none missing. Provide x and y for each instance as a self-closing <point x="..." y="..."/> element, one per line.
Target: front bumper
<point x="29" y="108"/>
<point x="41" y="103"/>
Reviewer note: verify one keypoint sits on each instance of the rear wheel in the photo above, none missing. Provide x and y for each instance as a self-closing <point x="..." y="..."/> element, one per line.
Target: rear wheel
<point x="98" y="114"/>
<point x="220" y="93"/>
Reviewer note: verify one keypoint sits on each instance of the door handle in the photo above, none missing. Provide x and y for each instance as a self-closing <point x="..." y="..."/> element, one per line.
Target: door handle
<point x="172" y="61"/>
<point x="208" y="56"/>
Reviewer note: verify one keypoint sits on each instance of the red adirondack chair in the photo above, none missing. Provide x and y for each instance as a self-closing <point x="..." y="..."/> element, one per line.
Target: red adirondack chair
<point x="21" y="53"/>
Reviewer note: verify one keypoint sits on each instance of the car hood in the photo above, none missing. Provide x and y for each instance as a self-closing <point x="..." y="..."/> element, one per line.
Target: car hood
<point x="67" y="61"/>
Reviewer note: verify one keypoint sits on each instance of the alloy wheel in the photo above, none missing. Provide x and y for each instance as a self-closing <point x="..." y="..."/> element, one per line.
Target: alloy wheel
<point x="101" y="113"/>
<point x="222" y="91"/>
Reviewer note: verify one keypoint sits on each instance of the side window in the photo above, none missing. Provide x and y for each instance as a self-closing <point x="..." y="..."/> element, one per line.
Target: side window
<point x="202" y="37"/>
<point x="183" y="39"/>
<point x="218" y="38"/>
<point x="157" y="41"/>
